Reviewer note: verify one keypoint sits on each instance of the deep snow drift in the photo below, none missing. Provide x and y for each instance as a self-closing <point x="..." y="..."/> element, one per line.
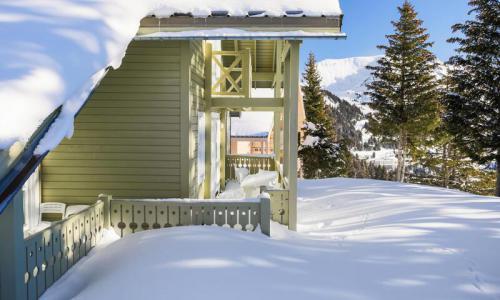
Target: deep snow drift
<point x="359" y="239"/>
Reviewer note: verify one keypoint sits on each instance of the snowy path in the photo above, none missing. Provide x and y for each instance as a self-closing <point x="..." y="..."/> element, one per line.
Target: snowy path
<point x="359" y="239"/>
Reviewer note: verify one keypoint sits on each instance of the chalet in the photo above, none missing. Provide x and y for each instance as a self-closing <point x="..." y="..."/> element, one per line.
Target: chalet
<point x="154" y="134"/>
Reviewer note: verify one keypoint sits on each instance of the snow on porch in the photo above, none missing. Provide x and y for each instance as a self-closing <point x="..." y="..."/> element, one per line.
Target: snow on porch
<point x="359" y="239"/>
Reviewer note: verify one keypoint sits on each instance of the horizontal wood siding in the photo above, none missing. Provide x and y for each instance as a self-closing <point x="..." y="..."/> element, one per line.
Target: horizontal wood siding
<point x="127" y="138"/>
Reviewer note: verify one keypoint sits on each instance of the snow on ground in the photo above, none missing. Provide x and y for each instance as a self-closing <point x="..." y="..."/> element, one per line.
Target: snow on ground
<point x="359" y="239"/>
<point x="346" y="77"/>
<point x="383" y="157"/>
<point x="54" y="52"/>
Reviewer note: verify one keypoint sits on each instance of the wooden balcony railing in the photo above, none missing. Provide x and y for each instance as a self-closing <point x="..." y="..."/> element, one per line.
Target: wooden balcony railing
<point x="234" y="79"/>
<point x="48" y="254"/>
<point x="252" y="162"/>
<point x="279" y="197"/>
<point x="131" y="216"/>
<point x="51" y="252"/>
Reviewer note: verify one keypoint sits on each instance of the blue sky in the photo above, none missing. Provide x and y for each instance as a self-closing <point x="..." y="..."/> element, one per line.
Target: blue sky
<point x="366" y="23"/>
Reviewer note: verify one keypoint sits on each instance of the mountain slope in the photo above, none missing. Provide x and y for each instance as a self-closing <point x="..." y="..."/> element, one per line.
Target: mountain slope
<point x="343" y="81"/>
<point x="346" y="77"/>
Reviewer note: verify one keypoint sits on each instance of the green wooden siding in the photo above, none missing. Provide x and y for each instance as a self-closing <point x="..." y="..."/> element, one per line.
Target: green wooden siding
<point x="127" y="138"/>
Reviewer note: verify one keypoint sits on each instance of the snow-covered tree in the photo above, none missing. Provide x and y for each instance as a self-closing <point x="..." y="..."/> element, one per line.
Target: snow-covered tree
<point x="404" y="92"/>
<point x="473" y="105"/>
<point x="319" y="152"/>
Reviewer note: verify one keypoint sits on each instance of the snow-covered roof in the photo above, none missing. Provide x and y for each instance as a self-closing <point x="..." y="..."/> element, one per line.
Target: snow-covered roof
<point x="54" y="52"/>
<point x="230" y="33"/>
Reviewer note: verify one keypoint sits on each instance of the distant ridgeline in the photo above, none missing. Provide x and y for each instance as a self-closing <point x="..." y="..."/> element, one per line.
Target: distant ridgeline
<point x="350" y="123"/>
<point x="350" y="118"/>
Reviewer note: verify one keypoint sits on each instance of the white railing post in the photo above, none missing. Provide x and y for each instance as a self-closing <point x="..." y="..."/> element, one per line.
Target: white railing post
<point x="106" y="199"/>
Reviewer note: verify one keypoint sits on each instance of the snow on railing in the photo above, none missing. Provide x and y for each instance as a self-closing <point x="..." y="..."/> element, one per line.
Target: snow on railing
<point x="252" y="162"/>
<point x="279" y="198"/>
<point x="52" y="251"/>
<point x="130" y="216"/>
<point x="49" y="253"/>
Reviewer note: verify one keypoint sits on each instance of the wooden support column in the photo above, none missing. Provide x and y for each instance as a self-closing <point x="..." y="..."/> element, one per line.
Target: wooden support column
<point x="12" y="251"/>
<point x="223" y="148"/>
<point x="186" y="157"/>
<point x="293" y="139"/>
<point x="208" y="122"/>
<point x="286" y="117"/>
<point x="277" y="137"/>
<point x="247" y="73"/>
<point x="278" y="79"/>
<point x="106" y="199"/>
<point x="208" y="75"/>
<point x="208" y="155"/>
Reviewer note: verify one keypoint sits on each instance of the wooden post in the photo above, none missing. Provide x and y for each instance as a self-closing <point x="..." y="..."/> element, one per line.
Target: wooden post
<point x="207" y="182"/>
<point x="293" y="127"/>
<point x="12" y="251"/>
<point x="185" y="126"/>
<point x="223" y="128"/>
<point x="208" y="75"/>
<point x="247" y="73"/>
<point x="277" y="137"/>
<point x="106" y="199"/>
<point x="286" y="117"/>
<point x="278" y="94"/>
<point x="208" y="155"/>
<point x="265" y="215"/>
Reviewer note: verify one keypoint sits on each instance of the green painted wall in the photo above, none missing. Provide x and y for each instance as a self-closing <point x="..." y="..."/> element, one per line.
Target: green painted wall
<point x="127" y="138"/>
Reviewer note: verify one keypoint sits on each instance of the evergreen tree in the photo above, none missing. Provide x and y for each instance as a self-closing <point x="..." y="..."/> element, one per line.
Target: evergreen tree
<point x="473" y="105"/>
<point x="404" y="89"/>
<point x="320" y="154"/>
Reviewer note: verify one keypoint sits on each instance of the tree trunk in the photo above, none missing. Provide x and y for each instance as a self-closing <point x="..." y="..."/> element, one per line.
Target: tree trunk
<point x="399" y="156"/>
<point x="400" y="169"/>
<point x="497" y="192"/>
<point x="446" y="173"/>
<point x="403" y="165"/>
<point x="453" y="155"/>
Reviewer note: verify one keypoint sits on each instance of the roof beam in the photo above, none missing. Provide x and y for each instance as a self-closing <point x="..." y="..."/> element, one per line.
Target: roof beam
<point x="242" y="22"/>
<point x="247" y="104"/>
<point x="263" y="76"/>
<point x="313" y="27"/>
